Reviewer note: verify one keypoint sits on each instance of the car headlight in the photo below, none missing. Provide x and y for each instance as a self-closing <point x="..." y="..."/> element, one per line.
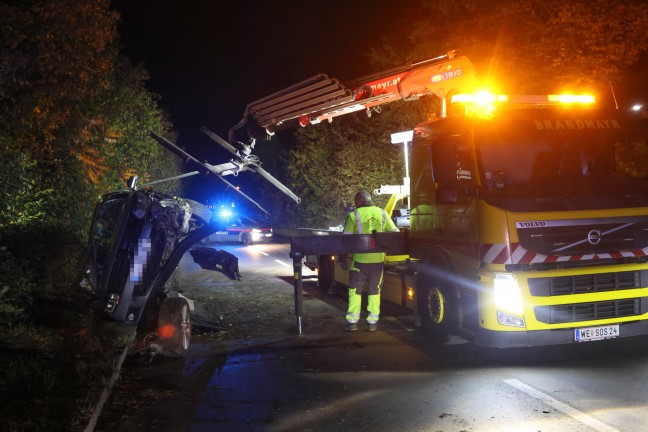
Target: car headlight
<point x="507" y="293"/>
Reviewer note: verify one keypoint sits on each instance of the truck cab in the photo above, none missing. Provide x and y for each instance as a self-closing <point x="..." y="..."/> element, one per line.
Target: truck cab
<point x="529" y="222"/>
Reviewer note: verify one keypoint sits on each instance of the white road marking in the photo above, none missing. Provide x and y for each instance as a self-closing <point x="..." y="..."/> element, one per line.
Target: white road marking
<point x="560" y="406"/>
<point x="283" y="263"/>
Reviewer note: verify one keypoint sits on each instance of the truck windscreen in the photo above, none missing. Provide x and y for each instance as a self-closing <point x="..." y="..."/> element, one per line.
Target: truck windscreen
<point x="565" y="159"/>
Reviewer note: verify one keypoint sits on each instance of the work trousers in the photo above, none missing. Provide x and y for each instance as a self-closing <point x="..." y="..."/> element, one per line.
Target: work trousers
<point x="371" y="276"/>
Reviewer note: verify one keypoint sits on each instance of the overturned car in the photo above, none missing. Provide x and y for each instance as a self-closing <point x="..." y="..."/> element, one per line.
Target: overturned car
<point x="137" y="238"/>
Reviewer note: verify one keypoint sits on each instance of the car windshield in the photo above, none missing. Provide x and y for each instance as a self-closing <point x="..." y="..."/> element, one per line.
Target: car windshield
<point x="104" y="223"/>
<point x="579" y="156"/>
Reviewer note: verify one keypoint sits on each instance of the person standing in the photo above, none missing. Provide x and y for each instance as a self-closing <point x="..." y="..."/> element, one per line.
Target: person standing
<point x="366" y="268"/>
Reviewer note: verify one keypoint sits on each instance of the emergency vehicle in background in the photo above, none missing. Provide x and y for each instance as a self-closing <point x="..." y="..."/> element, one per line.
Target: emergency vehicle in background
<point x="528" y="215"/>
<point x="237" y="228"/>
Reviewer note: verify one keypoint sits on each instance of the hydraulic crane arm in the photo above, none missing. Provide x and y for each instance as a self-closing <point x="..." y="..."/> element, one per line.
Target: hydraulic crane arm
<point x="322" y="98"/>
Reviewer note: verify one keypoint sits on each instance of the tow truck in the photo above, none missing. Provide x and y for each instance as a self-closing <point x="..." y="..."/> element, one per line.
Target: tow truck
<point x="528" y="221"/>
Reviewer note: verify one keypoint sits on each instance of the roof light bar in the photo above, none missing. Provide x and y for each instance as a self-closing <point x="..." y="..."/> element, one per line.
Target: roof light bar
<point x="480" y="98"/>
<point x="569" y="98"/>
<point x="484" y="99"/>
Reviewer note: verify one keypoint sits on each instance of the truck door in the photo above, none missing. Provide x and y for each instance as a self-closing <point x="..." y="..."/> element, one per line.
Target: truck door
<point x="443" y="189"/>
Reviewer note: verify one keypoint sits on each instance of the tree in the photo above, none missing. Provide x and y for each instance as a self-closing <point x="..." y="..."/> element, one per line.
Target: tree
<point x="330" y="162"/>
<point x="74" y="123"/>
<point x="537" y="46"/>
<point x="73" y="107"/>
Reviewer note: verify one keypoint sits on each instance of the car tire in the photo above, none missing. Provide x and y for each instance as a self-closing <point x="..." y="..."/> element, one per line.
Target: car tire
<point x="246" y="239"/>
<point x="174" y="327"/>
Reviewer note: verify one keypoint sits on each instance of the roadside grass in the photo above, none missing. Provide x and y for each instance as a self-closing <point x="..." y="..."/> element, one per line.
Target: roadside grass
<point x="53" y="366"/>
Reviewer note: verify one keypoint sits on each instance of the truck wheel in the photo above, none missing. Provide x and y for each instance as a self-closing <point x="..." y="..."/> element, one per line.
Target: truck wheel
<point x="174" y="327"/>
<point x="435" y="312"/>
<point x="325" y="269"/>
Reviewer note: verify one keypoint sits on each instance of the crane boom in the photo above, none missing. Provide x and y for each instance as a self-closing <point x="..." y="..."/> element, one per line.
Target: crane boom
<point x="323" y="98"/>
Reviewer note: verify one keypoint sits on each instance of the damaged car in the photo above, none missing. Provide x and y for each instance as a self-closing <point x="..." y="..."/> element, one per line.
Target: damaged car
<point x="137" y="238"/>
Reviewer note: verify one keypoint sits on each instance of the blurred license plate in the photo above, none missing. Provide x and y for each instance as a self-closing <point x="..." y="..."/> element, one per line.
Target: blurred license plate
<point x="596" y="333"/>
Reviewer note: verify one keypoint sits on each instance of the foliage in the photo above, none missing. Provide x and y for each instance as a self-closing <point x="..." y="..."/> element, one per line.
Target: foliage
<point x="20" y="194"/>
<point x="16" y="285"/>
<point x="330" y="162"/>
<point x="529" y="46"/>
<point x="53" y="377"/>
<point x="73" y="108"/>
<point x="74" y="119"/>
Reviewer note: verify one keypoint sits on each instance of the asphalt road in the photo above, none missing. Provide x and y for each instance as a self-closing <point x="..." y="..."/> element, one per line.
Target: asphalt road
<point x="251" y="372"/>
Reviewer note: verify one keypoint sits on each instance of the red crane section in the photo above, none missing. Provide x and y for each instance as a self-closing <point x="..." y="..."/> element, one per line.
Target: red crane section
<point x="322" y="98"/>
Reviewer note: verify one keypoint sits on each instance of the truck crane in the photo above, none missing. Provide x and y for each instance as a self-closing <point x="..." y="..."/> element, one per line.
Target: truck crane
<point x="322" y="98"/>
<point x="528" y="213"/>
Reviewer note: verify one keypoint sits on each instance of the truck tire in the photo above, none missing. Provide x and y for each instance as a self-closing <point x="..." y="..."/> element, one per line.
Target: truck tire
<point x="174" y="327"/>
<point x="325" y="275"/>
<point x="436" y="310"/>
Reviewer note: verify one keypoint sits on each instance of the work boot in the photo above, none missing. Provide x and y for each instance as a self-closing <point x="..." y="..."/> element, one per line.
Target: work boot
<point x="350" y="327"/>
<point x="373" y="327"/>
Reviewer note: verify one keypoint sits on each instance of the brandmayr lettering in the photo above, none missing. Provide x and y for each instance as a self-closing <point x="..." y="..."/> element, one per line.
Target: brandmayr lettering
<point x="531" y="224"/>
<point x="577" y="124"/>
<point x="383" y="85"/>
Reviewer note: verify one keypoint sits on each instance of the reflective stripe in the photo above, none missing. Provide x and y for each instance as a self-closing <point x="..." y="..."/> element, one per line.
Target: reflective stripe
<point x="373" y="307"/>
<point x="353" y="318"/>
<point x="358" y="221"/>
<point x="355" y="303"/>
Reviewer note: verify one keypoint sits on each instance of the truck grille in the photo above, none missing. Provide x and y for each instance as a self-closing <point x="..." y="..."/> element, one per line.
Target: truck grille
<point x="559" y="314"/>
<point x="578" y="284"/>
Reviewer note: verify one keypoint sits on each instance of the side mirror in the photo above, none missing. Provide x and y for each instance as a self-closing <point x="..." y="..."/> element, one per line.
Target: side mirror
<point x="447" y="195"/>
<point x="132" y="182"/>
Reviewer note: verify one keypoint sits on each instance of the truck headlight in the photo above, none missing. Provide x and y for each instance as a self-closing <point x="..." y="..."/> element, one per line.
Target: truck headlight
<point x="507" y="293"/>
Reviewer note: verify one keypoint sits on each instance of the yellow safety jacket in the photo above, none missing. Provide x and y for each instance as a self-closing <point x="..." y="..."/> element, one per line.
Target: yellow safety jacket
<point x="365" y="220"/>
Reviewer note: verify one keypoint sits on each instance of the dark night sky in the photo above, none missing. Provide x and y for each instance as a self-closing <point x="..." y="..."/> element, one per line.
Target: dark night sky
<point x="208" y="59"/>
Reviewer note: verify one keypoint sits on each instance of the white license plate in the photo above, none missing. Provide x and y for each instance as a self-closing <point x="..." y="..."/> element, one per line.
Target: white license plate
<point x="596" y="333"/>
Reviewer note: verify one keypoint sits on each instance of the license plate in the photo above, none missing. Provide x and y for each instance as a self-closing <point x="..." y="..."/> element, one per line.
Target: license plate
<point x="596" y="333"/>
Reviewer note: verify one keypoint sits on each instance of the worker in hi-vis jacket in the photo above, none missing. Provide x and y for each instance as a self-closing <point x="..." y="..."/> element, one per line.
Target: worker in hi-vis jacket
<point x="366" y="268"/>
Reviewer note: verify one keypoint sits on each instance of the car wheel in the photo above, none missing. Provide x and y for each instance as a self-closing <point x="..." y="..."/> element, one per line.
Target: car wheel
<point x="246" y="239"/>
<point x="174" y="327"/>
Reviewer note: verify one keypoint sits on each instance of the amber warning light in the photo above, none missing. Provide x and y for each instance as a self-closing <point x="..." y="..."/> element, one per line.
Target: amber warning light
<point x="485" y="99"/>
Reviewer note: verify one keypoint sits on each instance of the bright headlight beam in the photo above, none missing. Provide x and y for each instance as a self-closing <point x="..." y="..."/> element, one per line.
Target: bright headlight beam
<point x="507" y="293"/>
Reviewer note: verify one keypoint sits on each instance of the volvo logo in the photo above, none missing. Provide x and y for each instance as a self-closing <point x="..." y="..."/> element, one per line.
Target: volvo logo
<point x="594" y="237"/>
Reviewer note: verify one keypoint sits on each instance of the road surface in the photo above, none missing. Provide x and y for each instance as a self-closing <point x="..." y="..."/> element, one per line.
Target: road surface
<point x="250" y="372"/>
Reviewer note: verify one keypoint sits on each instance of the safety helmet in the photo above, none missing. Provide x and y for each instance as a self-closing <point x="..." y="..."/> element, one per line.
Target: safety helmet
<point x="362" y="199"/>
